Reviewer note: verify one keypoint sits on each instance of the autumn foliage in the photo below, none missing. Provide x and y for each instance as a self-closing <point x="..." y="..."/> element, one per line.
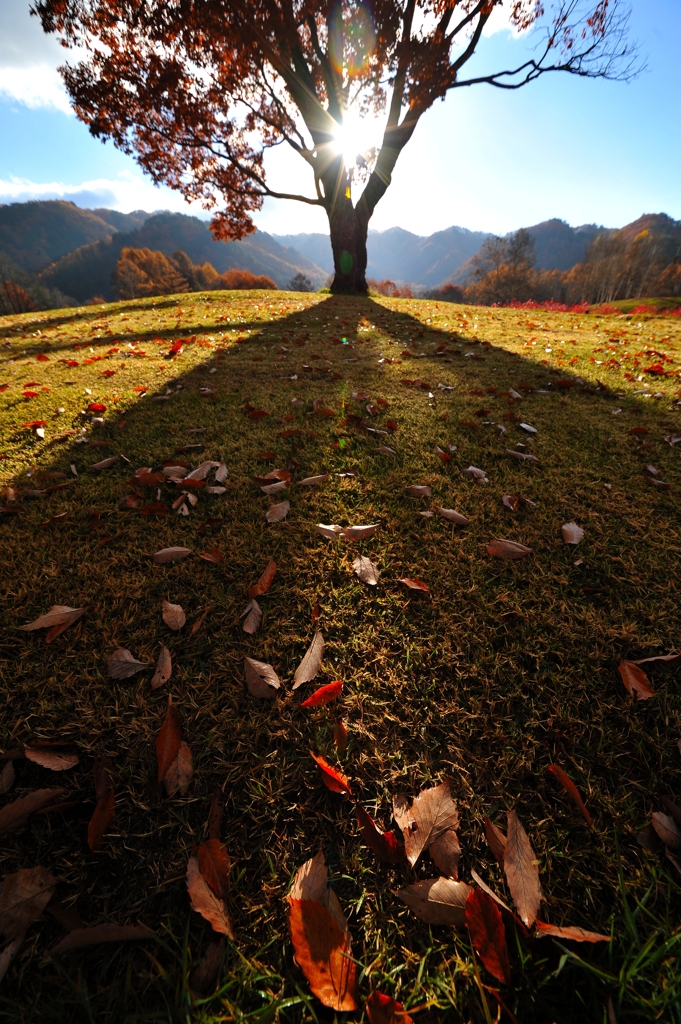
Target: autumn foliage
<point x="141" y="272"/>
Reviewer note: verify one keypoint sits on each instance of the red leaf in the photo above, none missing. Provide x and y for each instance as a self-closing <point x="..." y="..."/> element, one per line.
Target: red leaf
<point x="569" y="932"/>
<point x="635" y="680"/>
<point x="638" y="431"/>
<point x="257" y="414"/>
<point x="570" y="788"/>
<point x="414" y="584"/>
<point x="156" y="508"/>
<point x="265" y="581"/>
<point x="486" y="928"/>
<point x="340" y="736"/>
<point x="214" y="866"/>
<point x="385" y="1010"/>
<point x="213" y="555"/>
<point x="168" y="742"/>
<point x="324" y="695"/>
<point x="383" y="844"/>
<point x="332" y="779"/>
<point x="96" y="407"/>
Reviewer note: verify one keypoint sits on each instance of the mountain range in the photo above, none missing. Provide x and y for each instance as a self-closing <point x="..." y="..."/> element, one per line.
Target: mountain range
<point x="75" y="250"/>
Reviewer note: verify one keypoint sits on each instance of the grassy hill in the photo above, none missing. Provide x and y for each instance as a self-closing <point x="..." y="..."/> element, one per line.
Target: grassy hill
<point x="498" y="670"/>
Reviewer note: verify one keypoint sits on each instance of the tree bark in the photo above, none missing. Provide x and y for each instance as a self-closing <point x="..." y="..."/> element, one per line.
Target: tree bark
<point x="348" y="229"/>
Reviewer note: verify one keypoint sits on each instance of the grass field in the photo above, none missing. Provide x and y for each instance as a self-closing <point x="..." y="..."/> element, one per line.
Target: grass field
<point x="501" y="669"/>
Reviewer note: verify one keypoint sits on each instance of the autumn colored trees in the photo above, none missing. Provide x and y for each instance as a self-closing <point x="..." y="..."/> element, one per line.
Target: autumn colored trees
<point x="200" y="92"/>
<point x="141" y="272"/>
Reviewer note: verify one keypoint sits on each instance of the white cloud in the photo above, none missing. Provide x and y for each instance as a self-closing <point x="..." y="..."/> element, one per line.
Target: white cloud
<point x="125" y="193"/>
<point x="29" y="59"/>
<point x="36" y="86"/>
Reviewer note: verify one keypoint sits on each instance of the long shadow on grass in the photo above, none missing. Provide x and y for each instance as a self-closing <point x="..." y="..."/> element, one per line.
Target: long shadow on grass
<point x="501" y="670"/>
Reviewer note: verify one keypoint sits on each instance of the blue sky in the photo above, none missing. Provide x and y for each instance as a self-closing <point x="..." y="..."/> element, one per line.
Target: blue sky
<point x="584" y="151"/>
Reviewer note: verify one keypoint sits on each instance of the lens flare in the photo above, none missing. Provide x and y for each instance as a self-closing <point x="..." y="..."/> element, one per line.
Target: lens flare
<point x="357" y="136"/>
<point x="352" y="38"/>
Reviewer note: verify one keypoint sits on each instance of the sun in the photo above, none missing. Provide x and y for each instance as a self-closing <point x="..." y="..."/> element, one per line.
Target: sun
<point x="357" y="135"/>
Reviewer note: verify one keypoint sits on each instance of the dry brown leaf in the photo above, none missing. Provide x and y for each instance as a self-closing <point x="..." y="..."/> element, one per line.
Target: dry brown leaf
<point x="446" y="853"/>
<point x="430" y="815"/>
<point x="437" y="900"/>
<point x="214" y="866"/>
<point x="419" y="491"/>
<point x="55" y="761"/>
<point x="265" y="581"/>
<point x="331" y="531"/>
<point x="166" y="555"/>
<point x="100" y="821"/>
<point x="253" y="613"/>
<point x="490" y="892"/>
<point x="16" y="814"/>
<point x="568" y="932"/>
<point x="275" y="513"/>
<point x="221" y="473"/>
<point x="572" y="534"/>
<point x="510" y="501"/>
<point x="453" y="516"/>
<point x="261" y="679"/>
<point x="474" y="473"/>
<point x="7" y="777"/>
<point x="671" y="659"/>
<point x="80" y="938"/>
<point x="213" y="555"/>
<point x="168" y="741"/>
<point x="105" y="463"/>
<point x="173" y="615"/>
<point x="313" y="481"/>
<point x="196" y="626"/>
<point x="359" y="532"/>
<point x="164" y="669"/>
<point x="523" y="456"/>
<point x="204" y="978"/>
<point x="414" y="584"/>
<point x="180" y="772"/>
<point x="522" y="871"/>
<point x="668" y="830"/>
<point x="122" y="665"/>
<point x="508" y="549"/>
<point x="496" y="840"/>
<point x="58" y="615"/>
<point x="23" y="897"/>
<point x="311" y="663"/>
<point x="635" y="680"/>
<point x="366" y="570"/>
<point x="205" y="902"/>
<point x="275" y="488"/>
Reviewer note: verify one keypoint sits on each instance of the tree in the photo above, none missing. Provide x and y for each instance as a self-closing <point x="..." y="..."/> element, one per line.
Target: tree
<point x="200" y="90"/>
<point x="502" y="270"/>
<point x="301" y="283"/>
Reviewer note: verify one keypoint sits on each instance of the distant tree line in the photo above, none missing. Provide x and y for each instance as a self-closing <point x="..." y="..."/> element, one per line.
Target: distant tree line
<point x="21" y="292"/>
<point x="614" y="267"/>
<point x="142" y="272"/>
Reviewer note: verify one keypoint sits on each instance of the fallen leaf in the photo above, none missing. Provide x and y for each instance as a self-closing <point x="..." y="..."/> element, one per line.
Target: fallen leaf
<point x="261" y="679"/>
<point x="414" y="584"/>
<point x="253" y="613"/>
<point x="100" y="821"/>
<point x="334" y="780"/>
<point x="383" y="844"/>
<point x="213" y="555"/>
<point x="7" y="777"/>
<point x="508" y="549"/>
<point x="214" y="866"/>
<point x="23" y="897"/>
<point x="359" y="532"/>
<point x="486" y="929"/>
<point x="16" y="814"/>
<point x="324" y="695"/>
<point x="428" y="817"/>
<point x="473" y="473"/>
<point x="569" y="932"/>
<point x="485" y="888"/>
<point x="635" y="680"/>
<point x="277" y="512"/>
<point x="331" y="532"/>
<point x="572" y="534"/>
<point x="55" y="519"/>
<point x="59" y="615"/>
<point x="437" y="900"/>
<point x="274" y="488"/>
<point x="445" y="852"/>
<point x="527" y="428"/>
<point x="321" y="938"/>
<point x="419" y="491"/>
<point x="383" y="1009"/>
<point x="570" y="788"/>
<point x="164" y="668"/>
<point x="453" y="516"/>
<point x="265" y="581"/>
<point x="168" y="741"/>
<point x="383" y="449"/>
<point x="313" y="481"/>
<point x="340" y="737"/>
<point x="173" y="615"/>
<point x="522" y="872"/>
<point x="669" y="658"/>
<point x="205" y="977"/>
<point x="366" y="570"/>
<point x="56" y="762"/>
<point x="170" y="555"/>
<point x="216" y="813"/>
<point x="122" y="665"/>
<point x="668" y="830"/>
<point x="510" y="501"/>
<point x="105" y="463"/>
<point x="180" y="772"/>
<point x="80" y="938"/>
<point x="204" y="901"/>
<point x="311" y="663"/>
<point x="196" y="626"/>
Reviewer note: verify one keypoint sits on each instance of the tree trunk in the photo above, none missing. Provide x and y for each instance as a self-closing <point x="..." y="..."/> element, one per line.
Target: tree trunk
<point x="349" y="244"/>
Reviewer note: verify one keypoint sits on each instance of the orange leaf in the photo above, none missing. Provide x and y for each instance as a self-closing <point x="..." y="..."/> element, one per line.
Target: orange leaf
<point x="213" y="555"/>
<point x="322" y="951"/>
<point x="324" y="695"/>
<point x="334" y="780"/>
<point x="635" y="680"/>
<point x="265" y="581"/>
<point x="340" y="737"/>
<point x="570" y="788"/>
<point x="383" y="844"/>
<point x="569" y="932"/>
<point x="214" y="866"/>
<point x="486" y="929"/>
<point x="168" y="742"/>
<point x="205" y="902"/>
<point x="385" y="1010"/>
<point x="414" y="584"/>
